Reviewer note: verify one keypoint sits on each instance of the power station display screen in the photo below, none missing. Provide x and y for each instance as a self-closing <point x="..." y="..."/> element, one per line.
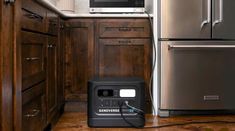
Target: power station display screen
<point x="127" y="93"/>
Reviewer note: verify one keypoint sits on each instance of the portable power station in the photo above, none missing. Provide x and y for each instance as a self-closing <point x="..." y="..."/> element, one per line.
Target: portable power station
<point x="116" y="102"/>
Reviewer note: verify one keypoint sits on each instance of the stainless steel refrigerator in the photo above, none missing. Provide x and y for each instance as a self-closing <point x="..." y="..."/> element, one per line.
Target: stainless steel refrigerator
<point x="197" y="55"/>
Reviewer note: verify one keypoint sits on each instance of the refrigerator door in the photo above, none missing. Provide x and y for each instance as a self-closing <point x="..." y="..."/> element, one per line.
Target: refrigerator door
<point x="185" y="19"/>
<point x="197" y="75"/>
<point x="223" y="19"/>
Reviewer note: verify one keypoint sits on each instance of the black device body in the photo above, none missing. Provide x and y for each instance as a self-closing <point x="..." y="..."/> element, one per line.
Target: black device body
<point x="105" y="96"/>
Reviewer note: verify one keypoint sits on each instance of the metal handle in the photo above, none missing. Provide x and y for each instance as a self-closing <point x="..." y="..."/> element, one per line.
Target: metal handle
<point x="208" y="19"/>
<point x="124" y="29"/>
<point x="34" y="114"/>
<point x="34" y="16"/>
<point x="124" y="41"/>
<point x="200" y="46"/>
<point x="49" y="46"/>
<point x="220" y="16"/>
<point x="32" y="58"/>
<point x="9" y="1"/>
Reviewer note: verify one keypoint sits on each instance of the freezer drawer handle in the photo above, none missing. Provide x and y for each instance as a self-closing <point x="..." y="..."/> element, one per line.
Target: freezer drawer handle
<point x="200" y="46"/>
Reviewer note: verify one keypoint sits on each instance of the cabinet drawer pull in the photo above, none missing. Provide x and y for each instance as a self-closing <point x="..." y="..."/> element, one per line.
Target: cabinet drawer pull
<point x="32" y="58"/>
<point x="124" y="41"/>
<point x="35" y="113"/>
<point x="51" y="46"/>
<point x="34" y="16"/>
<point x="124" y="29"/>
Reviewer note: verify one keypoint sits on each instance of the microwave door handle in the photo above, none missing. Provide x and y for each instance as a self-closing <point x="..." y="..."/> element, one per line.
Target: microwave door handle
<point x="220" y="14"/>
<point x="208" y="13"/>
<point x="200" y="46"/>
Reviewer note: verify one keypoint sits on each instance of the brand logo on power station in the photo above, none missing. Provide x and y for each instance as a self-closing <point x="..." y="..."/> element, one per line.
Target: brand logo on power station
<point x="108" y="110"/>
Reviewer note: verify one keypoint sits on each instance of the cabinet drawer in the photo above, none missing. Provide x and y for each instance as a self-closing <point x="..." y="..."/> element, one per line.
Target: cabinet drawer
<point x="33" y="16"/>
<point x="124" y="28"/>
<point x="32" y="59"/>
<point x="52" y="24"/>
<point x="32" y="111"/>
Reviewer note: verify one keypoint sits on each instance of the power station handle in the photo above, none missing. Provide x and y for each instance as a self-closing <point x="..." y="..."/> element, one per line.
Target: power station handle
<point x="200" y="46"/>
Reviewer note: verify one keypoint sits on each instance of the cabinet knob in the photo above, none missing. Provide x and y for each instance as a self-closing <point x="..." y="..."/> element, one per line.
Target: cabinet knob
<point x="9" y="1"/>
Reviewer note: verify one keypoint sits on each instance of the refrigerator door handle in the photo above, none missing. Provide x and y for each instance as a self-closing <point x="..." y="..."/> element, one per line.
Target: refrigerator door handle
<point x="200" y="46"/>
<point x="208" y="19"/>
<point x="220" y="14"/>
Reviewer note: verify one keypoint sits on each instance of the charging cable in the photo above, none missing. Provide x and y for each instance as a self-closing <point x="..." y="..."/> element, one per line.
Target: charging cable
<point x="141" y="115"/>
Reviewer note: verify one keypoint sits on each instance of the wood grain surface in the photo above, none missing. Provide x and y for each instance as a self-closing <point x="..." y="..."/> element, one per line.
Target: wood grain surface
<point x="73" y="121"/>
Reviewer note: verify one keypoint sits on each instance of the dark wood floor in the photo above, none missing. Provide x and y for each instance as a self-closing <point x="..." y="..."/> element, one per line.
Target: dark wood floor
<point x="75" y="121"/>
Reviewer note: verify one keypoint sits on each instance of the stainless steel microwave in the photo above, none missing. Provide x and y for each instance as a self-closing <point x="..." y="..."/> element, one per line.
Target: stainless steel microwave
<point x="117" y="6"/>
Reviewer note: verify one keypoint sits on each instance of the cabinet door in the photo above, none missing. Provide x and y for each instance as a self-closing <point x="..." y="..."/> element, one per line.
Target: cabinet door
<point x="79" y="58"/>
<point x="32" y="109"/>
<point x="125" y="58"/>
<point x="33" y="50"/>
<point x="51" y="77"/>
<point x="52" y="23"/>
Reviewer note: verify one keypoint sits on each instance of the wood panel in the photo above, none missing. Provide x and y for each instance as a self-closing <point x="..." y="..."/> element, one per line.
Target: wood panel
<point x="33" y="108"/>
<point x="61" y="65"/>
<point x="33" y="53"/>
<point x="6" y="68"/>
<point x="123" y="28"/>
<point x="51" y="91"/>
<point x="52" y="23"/>
<point x="33" y="16"/>
<point x="79" y="59"/>
<point x="125" y="58"/>
<point x="75" y="121"/>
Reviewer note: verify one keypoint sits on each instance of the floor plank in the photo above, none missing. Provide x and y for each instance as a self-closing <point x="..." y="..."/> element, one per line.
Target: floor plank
<point x="75" y="121"/>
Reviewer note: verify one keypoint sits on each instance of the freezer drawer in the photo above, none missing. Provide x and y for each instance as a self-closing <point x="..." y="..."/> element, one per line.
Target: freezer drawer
<point x="185" y="19"/>
<point x="197" y="75"/>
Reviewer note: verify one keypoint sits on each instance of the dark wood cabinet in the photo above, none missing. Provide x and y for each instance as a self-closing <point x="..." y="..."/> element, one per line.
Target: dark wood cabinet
<point x="124" y="58"/>
<point x="124" y="49"/>
<point x="105" y="48"/>
<point x="52" y="23"/>
<point x="33" y="53"/>
<point x="6" y="69"/>
<point x="51" y="90"/>
<point x="33" y="16"/>
<point x="44" y="64"/>
<point x="39" y="60"/>
<point x="79" y="58"/>
<point x="123" y="28"/>
<point x="33" y="112"/>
